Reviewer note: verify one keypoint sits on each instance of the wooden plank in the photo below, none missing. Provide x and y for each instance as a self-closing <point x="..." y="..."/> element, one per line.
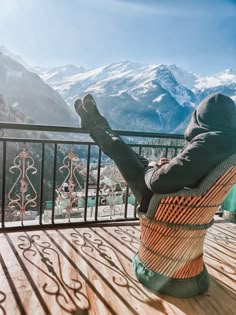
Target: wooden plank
<point x="88" y="271"/>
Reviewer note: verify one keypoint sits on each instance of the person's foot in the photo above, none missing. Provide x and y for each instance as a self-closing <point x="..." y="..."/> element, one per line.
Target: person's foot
<point x="89" y="113"/>
<point x="81" y="111"/>
<point x="90" y="105"/>
<point x="91" y="108"/>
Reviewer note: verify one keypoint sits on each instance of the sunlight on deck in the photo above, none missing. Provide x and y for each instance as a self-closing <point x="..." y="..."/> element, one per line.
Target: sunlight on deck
<point x="88" y="271"/>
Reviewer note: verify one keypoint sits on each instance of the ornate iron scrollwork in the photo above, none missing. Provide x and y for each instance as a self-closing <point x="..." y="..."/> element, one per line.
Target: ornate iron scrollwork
<point x="112" y="191"/>
<point x="20" y="195"/>
<point x="70" y="191"/>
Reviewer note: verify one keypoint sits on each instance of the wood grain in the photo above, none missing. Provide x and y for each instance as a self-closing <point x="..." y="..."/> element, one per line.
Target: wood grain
<point x="88" y="271"/>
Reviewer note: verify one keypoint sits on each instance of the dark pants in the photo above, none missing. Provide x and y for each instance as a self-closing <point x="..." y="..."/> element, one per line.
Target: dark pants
<point x="130" y="164"/>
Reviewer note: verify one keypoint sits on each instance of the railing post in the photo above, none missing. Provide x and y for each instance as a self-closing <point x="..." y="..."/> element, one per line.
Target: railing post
<point x="41" y="185"/>
<point x="3" y="182"/>
<point x="98" y="182"/>
<point x="54" y="182"/>
<point x="87" y="183"/>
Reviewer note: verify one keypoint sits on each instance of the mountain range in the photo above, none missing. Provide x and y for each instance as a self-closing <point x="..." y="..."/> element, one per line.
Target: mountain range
<point x="133" y="96"/>
<point x="157" y="97"/>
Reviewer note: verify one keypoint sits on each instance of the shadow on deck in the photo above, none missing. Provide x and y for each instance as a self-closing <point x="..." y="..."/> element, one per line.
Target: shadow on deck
<point x="88" y="271"/>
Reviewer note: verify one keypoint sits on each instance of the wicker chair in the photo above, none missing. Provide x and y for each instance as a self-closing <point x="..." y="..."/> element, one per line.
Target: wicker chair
<point x="170" y="256"/>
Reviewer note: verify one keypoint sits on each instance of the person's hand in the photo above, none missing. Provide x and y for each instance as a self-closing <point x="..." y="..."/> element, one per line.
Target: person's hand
<point x="163" y="161"/>
<point x="159" y="163"/>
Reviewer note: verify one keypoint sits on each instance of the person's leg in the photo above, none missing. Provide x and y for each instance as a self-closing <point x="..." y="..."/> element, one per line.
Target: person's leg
<point x="129" y="163"/>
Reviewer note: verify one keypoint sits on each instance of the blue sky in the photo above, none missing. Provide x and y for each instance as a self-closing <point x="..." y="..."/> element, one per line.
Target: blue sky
<point x="198" y="35"/>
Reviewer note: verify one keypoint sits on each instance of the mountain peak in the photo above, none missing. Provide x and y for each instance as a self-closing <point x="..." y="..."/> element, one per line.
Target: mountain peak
<point x="68" y="67"/>
<point x="157" y="97"/>
<point x="6" y="52"/>
<point x="229" y="71"/>
<point x="123" y="66"/>
<point x="59" y="73"/>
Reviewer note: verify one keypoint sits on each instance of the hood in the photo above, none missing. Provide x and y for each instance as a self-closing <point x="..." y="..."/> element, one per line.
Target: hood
<point x="217" y="112"/>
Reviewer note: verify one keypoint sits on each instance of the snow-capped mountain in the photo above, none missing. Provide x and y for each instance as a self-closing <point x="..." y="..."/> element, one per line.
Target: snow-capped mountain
<point x="184" y="77"/>
<point x="53" y="75"/>
<point x="115" y="79"/>
<point x="26" y="93"/>
<point x="226" y="77"/>
<point x="223" y="82"/>
<point x="133" y="96"/>
<point x="4" y="51"/>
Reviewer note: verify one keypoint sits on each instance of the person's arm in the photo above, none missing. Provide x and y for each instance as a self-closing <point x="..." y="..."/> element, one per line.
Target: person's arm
<point x="185" y="170"/>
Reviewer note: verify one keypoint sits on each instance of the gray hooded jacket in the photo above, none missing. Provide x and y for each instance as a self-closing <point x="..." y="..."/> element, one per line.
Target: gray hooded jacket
<point x="211" y="137"/>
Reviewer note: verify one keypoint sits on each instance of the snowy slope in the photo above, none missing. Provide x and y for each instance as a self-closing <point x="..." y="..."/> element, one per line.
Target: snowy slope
<point x="223" y="82"/>
<point x="184" y="77"/>
<point x="7" y="53"/>
<point x="118" y="78"/>
<point x="227" y="77"/>
<point x="127" y="93"/>
<point x="29" y="95"/>
<point x="137" y="80"/>
<point x="53" y="75"/>
<point x="133" y="96"/>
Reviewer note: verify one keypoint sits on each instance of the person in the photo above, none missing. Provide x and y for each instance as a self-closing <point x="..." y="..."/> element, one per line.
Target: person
<point x="210" y="138"/>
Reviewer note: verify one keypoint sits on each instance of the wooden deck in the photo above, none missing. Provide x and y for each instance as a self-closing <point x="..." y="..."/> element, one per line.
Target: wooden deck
<point x="88" y="271"/>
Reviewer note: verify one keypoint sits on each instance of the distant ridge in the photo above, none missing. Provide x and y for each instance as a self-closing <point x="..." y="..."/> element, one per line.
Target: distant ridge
<point x="29" y="96"/>
<point x="133" y="96"/>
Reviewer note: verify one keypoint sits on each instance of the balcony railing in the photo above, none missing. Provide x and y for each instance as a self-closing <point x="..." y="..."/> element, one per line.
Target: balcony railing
<point x="56" y="176"/>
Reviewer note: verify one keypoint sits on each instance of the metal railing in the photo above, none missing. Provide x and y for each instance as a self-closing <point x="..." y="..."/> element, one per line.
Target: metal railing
<point x="54" y="176"/>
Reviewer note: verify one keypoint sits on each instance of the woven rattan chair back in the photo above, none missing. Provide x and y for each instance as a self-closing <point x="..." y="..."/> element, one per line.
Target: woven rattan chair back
<point x="174" y="228"/>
